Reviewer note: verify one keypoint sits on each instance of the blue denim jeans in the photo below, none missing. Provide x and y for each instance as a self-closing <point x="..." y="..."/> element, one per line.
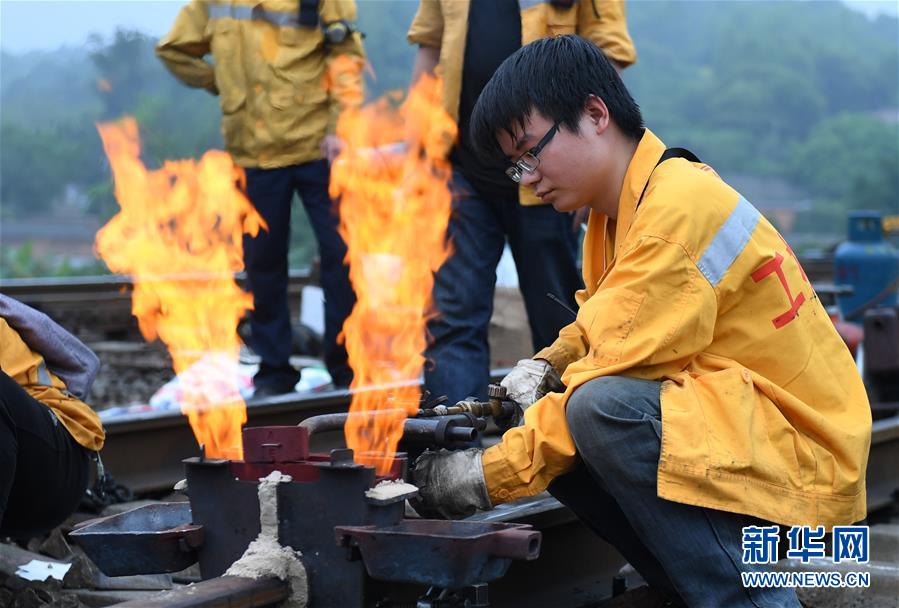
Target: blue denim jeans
<point x="689" y="551"/>
<point x="544" y="246"/>
<point x="265" y="256"/>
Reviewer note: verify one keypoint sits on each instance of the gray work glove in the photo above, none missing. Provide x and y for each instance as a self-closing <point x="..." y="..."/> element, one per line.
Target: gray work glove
<point x="450" y="484"/>
<point x="528" y="381"/>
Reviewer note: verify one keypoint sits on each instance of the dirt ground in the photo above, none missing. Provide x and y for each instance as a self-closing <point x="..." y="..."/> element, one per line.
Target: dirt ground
<point x="510" y="336"/>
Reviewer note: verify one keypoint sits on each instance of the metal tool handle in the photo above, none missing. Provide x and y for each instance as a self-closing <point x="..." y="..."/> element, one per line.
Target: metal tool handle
<point x="440" y="431"/>
<point x="191" y="538"/>
<point x="520" y="543"/>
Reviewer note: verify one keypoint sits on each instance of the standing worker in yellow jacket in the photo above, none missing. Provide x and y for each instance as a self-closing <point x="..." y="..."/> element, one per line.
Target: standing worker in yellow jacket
<point x="466" y="40"/>
<point x="47" y="432"/>
<point x="703" y="387"/>
<point x="283" y="71"/>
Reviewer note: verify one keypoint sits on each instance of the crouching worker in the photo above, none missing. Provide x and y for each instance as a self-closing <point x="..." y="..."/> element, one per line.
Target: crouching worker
<point x="701" y="388"/>
<point x="47" y="433"/>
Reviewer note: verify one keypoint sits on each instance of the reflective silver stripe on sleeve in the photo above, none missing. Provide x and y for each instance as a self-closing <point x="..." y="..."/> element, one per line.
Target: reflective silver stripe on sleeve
<point x="43" y="376"/>
<point x="729" y="242"/>
<point x="526" y="4"/>
<point x="254" y="13"/>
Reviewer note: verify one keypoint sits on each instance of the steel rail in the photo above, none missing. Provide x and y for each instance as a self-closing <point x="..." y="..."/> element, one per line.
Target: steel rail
<point x="103" y="305"/>
<point x="222" y="592"/>
<point x="144" y="451"/>
<point x="108" y="287"/>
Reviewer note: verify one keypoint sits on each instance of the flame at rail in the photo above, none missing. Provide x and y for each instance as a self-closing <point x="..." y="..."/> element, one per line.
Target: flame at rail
<point x="179" y="234"/>
<point x="394" y="209"/>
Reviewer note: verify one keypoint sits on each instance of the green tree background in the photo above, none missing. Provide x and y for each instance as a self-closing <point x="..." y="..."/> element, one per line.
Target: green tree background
<point x="802" y="92"/>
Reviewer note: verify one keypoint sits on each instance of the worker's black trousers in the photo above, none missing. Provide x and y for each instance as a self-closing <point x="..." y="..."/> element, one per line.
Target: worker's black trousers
<point x="265" y="256"/>
<point x="43" y="470"/>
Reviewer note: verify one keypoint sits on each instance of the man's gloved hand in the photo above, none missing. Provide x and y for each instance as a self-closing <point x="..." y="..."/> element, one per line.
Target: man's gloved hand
<point x="450" y="484"/>
<point x="528" y="381"/>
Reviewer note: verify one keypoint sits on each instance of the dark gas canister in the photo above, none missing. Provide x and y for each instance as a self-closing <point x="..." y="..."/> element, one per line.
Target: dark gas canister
<point x="867" y="263"/>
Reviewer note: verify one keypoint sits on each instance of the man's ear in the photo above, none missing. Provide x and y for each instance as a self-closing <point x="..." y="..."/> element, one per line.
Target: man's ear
<point x="598" y="113"/>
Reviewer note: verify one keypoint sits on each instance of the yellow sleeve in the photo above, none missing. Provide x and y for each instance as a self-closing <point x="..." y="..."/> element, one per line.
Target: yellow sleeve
<point x="21" y="364"/>
<point x="16" y="360"/>
<point x="183" y="48"/>
<point x="344" y="63"/>
<point x="570" y="345"/>
<point x="655" y="310"/>
<point x="603" y="22"/>
<point x="427" y="25"/>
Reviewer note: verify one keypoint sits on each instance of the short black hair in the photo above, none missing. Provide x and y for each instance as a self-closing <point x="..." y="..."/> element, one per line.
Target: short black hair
<point x="553" y="76"/>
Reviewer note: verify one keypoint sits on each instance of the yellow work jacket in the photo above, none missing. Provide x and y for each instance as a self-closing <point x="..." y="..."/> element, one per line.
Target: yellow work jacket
<point x="763" y="410"/>
<point x="28" y="369"/>
<point x="280" y="86"/>
<point x="443" y="24"/>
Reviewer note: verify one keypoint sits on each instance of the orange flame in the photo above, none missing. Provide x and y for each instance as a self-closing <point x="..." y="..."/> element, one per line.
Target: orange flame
<point x="394" y="209"/>
<point x="342" y="80"/>
<point x="179" y="233"/>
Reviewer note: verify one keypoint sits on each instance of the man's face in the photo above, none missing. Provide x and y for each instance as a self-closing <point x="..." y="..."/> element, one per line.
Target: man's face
<point x="566" y="173"/>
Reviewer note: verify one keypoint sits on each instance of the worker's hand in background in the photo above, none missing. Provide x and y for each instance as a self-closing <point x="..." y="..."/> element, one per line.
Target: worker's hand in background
<point x="528" y="381"/>
<point x="450" y="484"/>
<point x="331" y="146"/>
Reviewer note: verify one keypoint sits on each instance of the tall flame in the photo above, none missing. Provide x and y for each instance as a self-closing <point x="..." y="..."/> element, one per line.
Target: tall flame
<point x="394" y="209"/>
<point x="179" y="234"/>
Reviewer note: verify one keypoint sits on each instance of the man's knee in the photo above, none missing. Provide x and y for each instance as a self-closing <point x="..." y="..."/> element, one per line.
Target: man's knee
<point x="612" y="397"/>
<point x="609" y="417"/>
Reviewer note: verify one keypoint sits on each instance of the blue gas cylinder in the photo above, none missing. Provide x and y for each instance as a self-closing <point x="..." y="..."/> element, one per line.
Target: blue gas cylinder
<point x="868" y="263"/>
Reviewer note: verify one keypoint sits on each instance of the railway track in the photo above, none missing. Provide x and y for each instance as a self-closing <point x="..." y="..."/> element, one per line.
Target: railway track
<point x="144" y="451"/>
<point x="89" y="290"/>
<point x="99" y="308"/>
<point x="104" y="302"/>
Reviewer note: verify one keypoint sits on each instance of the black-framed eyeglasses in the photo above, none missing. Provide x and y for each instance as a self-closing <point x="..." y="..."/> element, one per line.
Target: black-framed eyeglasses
<point x="529" y="161"/>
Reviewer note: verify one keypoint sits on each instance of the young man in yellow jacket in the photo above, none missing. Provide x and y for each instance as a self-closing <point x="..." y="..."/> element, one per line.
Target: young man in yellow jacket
<point x="465" y="41"/>
<point x="283" y="71"/>
<point x="702" y="386"/>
